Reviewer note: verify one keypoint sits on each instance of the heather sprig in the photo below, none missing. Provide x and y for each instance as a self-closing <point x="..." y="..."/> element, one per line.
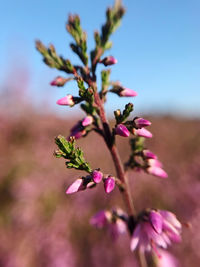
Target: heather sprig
<point x="149" y="229"/>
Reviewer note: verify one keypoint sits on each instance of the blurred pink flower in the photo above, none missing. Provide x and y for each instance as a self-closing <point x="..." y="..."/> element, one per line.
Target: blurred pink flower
<point x="66" y="101"/>
<point x="127" y="92"/>
<point x="110" y="60"/>
<point x="156" y="228"/>
<point x="142" y="133"/>
<point x="140" y="122"/>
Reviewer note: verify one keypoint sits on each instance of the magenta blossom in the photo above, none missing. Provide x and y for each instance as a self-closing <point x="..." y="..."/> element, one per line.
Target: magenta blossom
<point x="109" y="184"/>
<point x="140" y="123"/>
<point x="76" y="186"/>
<point x="148" y="154"/>
<point x="142" y="133"/>
<point x="122" y="130"/>
<point x="114" y="221"/>
<point x="155" y="168"/>
<point x="87" y="121"/>
<point x="97" y="176"/>
<point x="127" y="92"/>
<point x="66" y="101"/>
<point x="156" y="228"/>
<point x="108" y="61"/>
<point x="58" y="81"/>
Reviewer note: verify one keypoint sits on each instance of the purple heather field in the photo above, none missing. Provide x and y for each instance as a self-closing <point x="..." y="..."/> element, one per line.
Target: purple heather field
<point x="42" y="226"/>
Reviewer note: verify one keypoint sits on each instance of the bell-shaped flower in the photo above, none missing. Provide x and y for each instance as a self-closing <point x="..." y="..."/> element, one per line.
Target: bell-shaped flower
<point x="126" y="92"/>
<point x="66" y="101"/>
<point x="121" y="130"/>
<point x="140" y="123"/>
<point x="109" y="184"/>
<point x="148" y="154"/>
<point x="97" y="176"/>
<point x="87" y="121"/>
<point x="142" y="133"/>
<point x="76" y="186"/>
<point x="114" y="221"/>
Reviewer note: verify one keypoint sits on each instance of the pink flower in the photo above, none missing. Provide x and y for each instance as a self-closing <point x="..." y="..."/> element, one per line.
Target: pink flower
<point x="142" y="132"/>
<point x="140" y="122"/>
<point x="157" y="171"/>
<point x="109" y="184"/>
<point x="156" y="228"/>
<point x="66" y="101"/>
<point x="87" y="121"/>
<point x="108" y="61"/>
<point x="127" y="92"/>
<point x="115" y="221"/>
<point x="122" y="130"/>
<point x="58" y="81"/>
<point x="166" y="259"/>
<point x="148" y="154"/>
<point x="76" y="186"/>
<point x="101" y="219"/>
<point x="97" y="176"/>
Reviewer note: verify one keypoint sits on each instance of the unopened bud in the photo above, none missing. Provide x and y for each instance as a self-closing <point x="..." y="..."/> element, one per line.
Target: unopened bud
<point x="148" y="154"/>
<point x="76" y="186"/>
<point x="109" y="184"/>
<point x="66" y="101"/>
<point x="122" y="130"/>
<point x="127" y="92"/>
<point x="154" y="163"/>
<point x="58" y="81"/>
<point x="87" y="121"/>
<point x="157" y="171"/>
<point x="140" y="122"/>
<point x="142" y="133"/>
<point x="97" y="176"/>
<point x="108" y="61"/>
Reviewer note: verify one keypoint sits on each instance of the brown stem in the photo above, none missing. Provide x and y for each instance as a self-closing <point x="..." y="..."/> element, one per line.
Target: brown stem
<point x="115" y="156"/>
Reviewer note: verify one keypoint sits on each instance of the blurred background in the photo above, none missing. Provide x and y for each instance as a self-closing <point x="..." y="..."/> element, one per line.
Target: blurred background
<point x="157" y="47"/>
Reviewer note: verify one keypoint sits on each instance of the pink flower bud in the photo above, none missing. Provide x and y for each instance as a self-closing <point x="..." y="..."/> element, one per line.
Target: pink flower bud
<point x="127" y="92"/>
<point x="148" y="154"/>
<point x="156" y="221"/>
<point x="87" y="121"/>
<point x="109" y="184"/>
<point x="108" y="61"/>
<point x="76" y="186"/>
<point x="97" y="176"/>
<point x="100" y="219"/>
<point x="58" y="81"/>
<point x="157" y="171"/>
<point x="122" y="130"/>
<point x="140" y="122"/>
<point x="142" y="132"/>
<point x="154" y="163"/>
<point x="78" y="134"/>
<point x="66" y="101"/>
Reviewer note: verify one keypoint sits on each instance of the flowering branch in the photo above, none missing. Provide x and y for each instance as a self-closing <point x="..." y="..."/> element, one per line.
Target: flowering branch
<point x="151" y="229"/>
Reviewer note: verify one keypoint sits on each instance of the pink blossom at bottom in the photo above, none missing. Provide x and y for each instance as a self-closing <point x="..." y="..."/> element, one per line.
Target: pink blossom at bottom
<point x="156" y="228"/>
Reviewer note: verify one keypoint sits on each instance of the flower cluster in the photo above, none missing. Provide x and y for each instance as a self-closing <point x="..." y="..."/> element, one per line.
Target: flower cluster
<point x="155" y="228"/>
<point x="91" y="181"/>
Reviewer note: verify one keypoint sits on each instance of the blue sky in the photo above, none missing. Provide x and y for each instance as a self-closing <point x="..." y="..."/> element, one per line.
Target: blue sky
<point x="157" y="47"/>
